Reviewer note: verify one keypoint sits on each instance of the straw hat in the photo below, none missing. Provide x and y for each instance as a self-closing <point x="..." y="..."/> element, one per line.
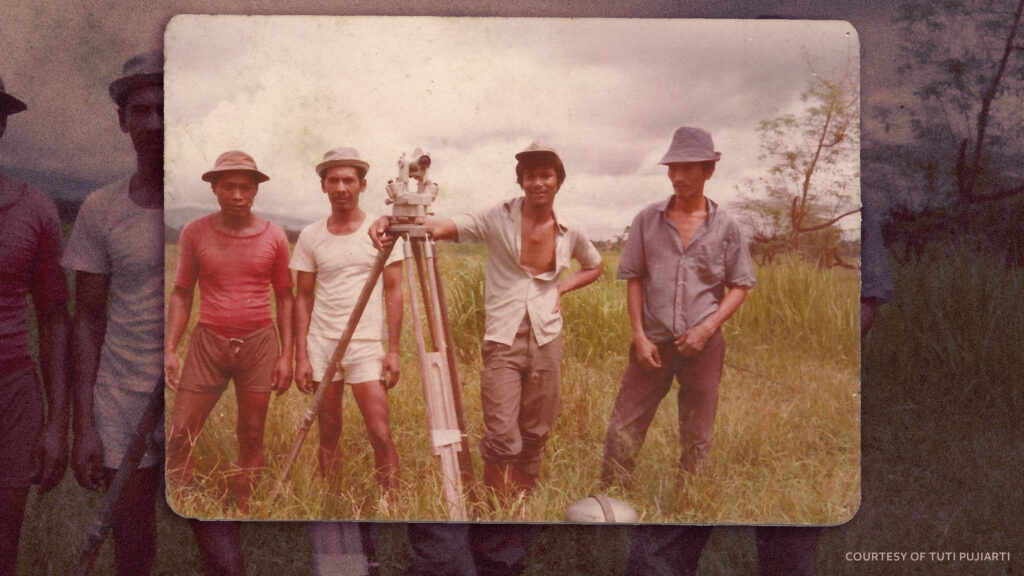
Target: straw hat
<point x="341" y="156"/>
<point x="235" y="161"/>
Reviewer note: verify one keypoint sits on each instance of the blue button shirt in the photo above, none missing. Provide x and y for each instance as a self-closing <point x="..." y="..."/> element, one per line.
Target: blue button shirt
<point x="684" y="285"/>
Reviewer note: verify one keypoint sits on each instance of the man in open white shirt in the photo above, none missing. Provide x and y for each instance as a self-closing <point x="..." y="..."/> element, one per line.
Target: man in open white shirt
<point x="528" y="250"/>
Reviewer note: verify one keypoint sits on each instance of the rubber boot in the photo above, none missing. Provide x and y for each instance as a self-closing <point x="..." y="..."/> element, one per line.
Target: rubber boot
<point x="523" y="481"/>
<point x="500" y="479"/>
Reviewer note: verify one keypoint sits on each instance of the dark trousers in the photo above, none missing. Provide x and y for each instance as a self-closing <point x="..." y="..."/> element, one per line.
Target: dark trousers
<point x="642" y="390"/>
<point x="675" y="550"/>
<point x="469" y="549"/>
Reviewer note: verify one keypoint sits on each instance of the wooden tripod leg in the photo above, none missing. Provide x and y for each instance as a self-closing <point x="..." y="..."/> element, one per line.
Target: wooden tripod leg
<point x="448" y="346"/>
<point x="332" y="366"/>
<point x="445" y="439"/>
<point x="428" y="305"/>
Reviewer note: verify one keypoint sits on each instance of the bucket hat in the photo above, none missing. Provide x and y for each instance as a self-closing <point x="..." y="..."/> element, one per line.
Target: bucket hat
<point x="138" y="72"/>
<point x="235" y="161"/>
<point x="341" y="156"/>
<point x="691" y="145"/>
<point x="9" y="104"/>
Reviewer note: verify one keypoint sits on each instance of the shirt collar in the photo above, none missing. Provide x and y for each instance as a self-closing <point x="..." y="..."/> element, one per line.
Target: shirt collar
<point x="712" y="207"/>
<point x="514" y="211"/>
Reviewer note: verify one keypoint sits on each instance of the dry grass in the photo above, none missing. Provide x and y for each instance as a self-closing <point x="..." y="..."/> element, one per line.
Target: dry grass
<point x="942" y="457"/>
<point x="785" y="442"/>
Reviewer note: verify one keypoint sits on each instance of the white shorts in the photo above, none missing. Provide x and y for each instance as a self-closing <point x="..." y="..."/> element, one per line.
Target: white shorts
<point x="362" y="362"/>
<point x="116" y="414"/>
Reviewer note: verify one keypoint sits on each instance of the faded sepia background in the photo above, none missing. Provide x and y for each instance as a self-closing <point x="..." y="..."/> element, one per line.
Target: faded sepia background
<point x="942" y="454"/>
<point x="474" y="91"/>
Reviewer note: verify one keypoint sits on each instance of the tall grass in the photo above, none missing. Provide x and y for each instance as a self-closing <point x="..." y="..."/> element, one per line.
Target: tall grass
<point x="941" y="463"/>
<point x="799" y="307"/>
<point x="785" y="442"/>
<point x="968" y="305"/>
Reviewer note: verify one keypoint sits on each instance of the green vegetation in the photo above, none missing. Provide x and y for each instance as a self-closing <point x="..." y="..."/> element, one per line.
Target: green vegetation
<point x="785" y="445"/>
<point x="941" y="442"/>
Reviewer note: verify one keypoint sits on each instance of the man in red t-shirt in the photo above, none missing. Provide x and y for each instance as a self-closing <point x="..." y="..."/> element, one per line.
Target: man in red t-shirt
<point x="30" y="259"/>
<point x="236" y="257"/>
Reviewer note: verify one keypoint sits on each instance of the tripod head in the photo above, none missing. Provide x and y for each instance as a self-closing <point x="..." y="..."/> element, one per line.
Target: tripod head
<point x="411" y="207"/>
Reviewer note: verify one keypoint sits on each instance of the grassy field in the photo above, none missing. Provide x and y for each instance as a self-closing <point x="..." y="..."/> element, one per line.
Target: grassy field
<point x="786" y="441"/>
<point x="943" y="454"/>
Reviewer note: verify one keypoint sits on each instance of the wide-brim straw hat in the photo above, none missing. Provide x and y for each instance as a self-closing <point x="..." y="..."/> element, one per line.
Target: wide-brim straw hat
<point x="9" y="104"/>
<point x="138" y="72"/>
<point x="691" y="145"/>
<point x="341" y="156"/>
<point x="235" y="161"/>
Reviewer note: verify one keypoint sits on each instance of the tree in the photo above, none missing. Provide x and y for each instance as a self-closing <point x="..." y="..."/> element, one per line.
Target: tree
<point x="967" y="57"/>
<point x="813" y="180"/>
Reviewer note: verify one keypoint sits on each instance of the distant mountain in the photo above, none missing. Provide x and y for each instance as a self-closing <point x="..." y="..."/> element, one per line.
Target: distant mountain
<point x="66" y="192"/>
<point x="176" y="218"/>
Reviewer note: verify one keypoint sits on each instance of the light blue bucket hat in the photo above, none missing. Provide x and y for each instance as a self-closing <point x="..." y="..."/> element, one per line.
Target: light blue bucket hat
<point x="691" y="145"/>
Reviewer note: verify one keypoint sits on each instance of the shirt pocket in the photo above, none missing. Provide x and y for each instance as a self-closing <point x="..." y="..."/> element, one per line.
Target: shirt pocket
<point x="710" y="265"/>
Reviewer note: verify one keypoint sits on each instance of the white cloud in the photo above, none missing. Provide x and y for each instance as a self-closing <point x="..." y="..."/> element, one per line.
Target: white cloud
<point x="607" y="94"/>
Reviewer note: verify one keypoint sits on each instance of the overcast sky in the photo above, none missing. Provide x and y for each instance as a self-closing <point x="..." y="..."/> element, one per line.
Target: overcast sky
<point x="59" y="57"/>
<point x="607" y="94"/>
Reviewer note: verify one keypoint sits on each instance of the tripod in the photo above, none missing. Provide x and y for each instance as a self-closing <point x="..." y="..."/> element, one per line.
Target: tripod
<point x="442" y="390"/>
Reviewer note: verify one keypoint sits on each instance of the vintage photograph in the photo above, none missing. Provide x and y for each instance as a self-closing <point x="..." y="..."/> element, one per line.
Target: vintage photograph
<point x="82" y="479"/>
<point x="555" y="270"/>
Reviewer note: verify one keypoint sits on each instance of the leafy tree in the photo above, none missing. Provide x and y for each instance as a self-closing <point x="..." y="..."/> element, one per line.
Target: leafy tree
<point x="966" y="56"/>
<point x="813" y="180"/>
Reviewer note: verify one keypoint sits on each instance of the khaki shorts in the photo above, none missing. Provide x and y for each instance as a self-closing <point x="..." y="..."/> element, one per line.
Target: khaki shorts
<point x="520" y="392"/>
<point x="21" y="421"/>
<point x="213" y="360"/>
<point x="362" y="362"/>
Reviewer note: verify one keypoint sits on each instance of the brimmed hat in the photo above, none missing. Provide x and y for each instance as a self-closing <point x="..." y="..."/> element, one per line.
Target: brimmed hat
<point x="235" y="161"/>
<point x="9" y="104"/>
<point x="536" y="148"/>
<point x="341" y="156"/>
<point x="139" y="71"/>
<point x="691" y="145"/>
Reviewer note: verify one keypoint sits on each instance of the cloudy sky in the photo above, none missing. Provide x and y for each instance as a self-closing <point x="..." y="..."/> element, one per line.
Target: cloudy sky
<point x="606" y="93"/>
<point x="59" y="57"/>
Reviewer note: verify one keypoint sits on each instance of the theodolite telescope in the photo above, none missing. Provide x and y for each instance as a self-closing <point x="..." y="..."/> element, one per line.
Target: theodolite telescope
<point x="412" y="206"/>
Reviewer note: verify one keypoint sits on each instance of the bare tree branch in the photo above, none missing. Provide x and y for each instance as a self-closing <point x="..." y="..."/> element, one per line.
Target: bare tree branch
<point x="824" y="225"/>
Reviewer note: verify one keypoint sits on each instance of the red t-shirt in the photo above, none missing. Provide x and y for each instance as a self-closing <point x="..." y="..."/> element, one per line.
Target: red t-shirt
<point x="234" y="273"/>
<point x="29" y="264"/>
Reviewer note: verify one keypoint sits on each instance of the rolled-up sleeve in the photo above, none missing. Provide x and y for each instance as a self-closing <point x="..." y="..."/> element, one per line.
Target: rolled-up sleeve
<point x="585" y="253"/>
<point x="632" y="264"/>
<point x="739" y="268"/>
<point x="475" y="226"/>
